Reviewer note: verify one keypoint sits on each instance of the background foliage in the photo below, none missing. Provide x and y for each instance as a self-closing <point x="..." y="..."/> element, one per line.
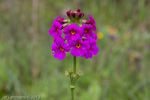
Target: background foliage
<point x="120" y="71"/>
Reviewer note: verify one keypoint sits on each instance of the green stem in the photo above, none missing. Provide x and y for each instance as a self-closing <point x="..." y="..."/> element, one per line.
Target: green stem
<point x="72" y="93"/>
<point x="74" y="68"/>
<point x="73" y="81"/>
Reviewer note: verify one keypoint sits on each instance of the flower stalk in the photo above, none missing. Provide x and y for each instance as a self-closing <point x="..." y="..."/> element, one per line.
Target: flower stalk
<point x="74" y="68"/>
<point x="74" y="76"/>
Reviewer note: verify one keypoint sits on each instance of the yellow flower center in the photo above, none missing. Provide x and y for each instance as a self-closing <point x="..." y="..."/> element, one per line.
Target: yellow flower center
<point x="73" y="32"/>
<point x="57" y="29"/>
<point x="86" y="30"/>
<point x="61" y="49"/>
<point x="78" y="45"/>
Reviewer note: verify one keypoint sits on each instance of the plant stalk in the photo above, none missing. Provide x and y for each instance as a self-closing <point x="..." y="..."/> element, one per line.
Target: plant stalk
<point x="73" y="82"/>
<point x="72" y="93"/>
<point x="74" y="68"/>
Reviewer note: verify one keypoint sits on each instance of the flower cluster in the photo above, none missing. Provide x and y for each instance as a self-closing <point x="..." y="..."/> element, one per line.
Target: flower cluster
<point x="75" y="35"/>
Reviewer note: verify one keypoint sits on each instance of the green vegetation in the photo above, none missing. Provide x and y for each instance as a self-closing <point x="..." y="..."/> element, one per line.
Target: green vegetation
<point x="120" y="71"/>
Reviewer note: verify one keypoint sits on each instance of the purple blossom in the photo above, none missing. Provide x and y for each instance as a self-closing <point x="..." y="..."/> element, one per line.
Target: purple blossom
<point x="72" y="32"/>
<point x="56" y="29"/>
<point x="92" y="22"/>
<point x="79" y="47"/>
<point x="94" y="36"/>
<point x="92" y="50"/>
<point x="87" y="30"/>
<point x="59" y="49"/>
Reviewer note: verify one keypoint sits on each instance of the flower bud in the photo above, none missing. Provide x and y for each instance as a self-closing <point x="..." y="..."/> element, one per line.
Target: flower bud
<point x="81" y="15"/>
<point x="66" y="73"/>
<point x="83" y="21"/>
<point x="68" y="13"/>
<point x="62" y="21"/>
<point x="73" y="14"/>
<point x="70" y="71"/>
<point x="64" y="25"/>
<point x="78" y="10"/>
<point x="74" y="76"/>
<point x="79" y="73"/>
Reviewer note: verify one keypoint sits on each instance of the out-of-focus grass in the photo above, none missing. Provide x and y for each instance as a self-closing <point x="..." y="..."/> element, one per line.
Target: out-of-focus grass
<point x="119" y="71"/>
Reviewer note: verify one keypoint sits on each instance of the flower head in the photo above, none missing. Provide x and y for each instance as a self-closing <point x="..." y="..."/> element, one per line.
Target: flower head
<point x="92" y="50"/>
<point x="79" y="47"/>
<point x="87" y="30"/>
<point x="59" y="49"/>
<point x="78" y="36"/>
<point x="56" y="29"/>
<point x="72" y="32"/>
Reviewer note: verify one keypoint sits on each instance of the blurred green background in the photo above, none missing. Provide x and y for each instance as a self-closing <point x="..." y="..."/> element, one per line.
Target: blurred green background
<point x="120" y="71"/>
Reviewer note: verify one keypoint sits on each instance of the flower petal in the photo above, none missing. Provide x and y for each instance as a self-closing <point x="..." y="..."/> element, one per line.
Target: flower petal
<point x="94" y="50"/>
<point x="88" y="55"/>
<point x="75" y="37"/>
<point x="83" y="51"/>
<point x="75" y="51"/>
<point x="55" y="47"/>
<point x="62" y="56"/>
<point x="66" y="47"/>
<point x="85" y="44"/>
<point x="52" y="31"/>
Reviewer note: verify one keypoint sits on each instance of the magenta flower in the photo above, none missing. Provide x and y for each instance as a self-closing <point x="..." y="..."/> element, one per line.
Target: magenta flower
<point x="92" y="50"/>
<point x="94" y="36"/>
<point x="56" y="29"/>
<point x="59" y="49"/>
<point x="87" y="30"/>
<point x="92" y="22"/>
<point x="72" y="32"/>
<point x="79" y="47"/>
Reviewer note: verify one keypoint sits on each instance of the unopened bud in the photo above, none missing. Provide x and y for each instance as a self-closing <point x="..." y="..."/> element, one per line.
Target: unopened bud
<point x="79" y="73"/>
<point x="68" y="13"/>
<point x="74" y="76"/>
<point x="66" y="73"/>
<point x="64" y="25"/>
<point x="78" y="10"/>
<point x="70" y="71"/>
<point x="63" y="21"/>
<point x="83" y="21"/>
<point x="81" y="15"/>
<point x="73" y="15"/>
